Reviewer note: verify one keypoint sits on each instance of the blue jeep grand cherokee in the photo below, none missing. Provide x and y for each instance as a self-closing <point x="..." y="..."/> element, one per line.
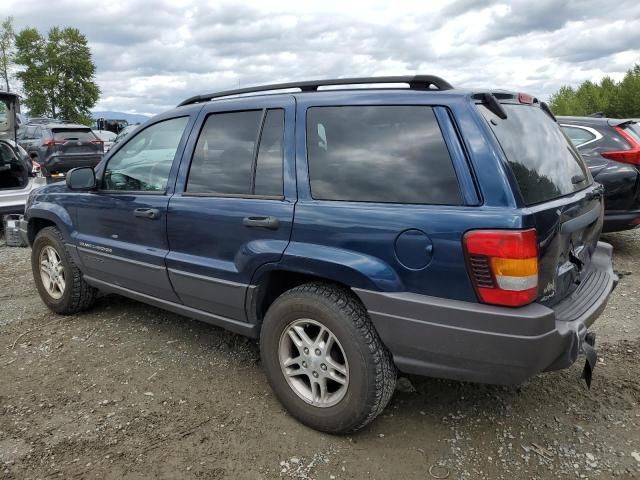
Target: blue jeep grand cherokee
<point x="354" y="231"/>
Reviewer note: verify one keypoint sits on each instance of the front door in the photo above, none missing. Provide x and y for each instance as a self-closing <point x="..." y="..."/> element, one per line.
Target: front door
<point x="233" y="206"/>
<point x="121" y="227"/>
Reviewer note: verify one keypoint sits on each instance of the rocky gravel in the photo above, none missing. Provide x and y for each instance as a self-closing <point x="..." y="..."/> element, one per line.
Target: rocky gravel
<point x="129" y="391"/>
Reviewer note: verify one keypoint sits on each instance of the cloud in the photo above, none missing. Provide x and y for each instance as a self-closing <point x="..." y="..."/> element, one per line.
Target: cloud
<point x="152" y="55"/>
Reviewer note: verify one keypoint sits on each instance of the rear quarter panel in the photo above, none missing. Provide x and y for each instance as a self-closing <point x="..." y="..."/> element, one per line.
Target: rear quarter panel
<point x="356" y="243"/>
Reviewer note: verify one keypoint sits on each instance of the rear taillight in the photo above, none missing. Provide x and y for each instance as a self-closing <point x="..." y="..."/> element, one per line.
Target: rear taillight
<point x="503" y="265"/>
<point x="631" y="156"/>
<point x="97" y="142"/>
<point x="51" y="143"/>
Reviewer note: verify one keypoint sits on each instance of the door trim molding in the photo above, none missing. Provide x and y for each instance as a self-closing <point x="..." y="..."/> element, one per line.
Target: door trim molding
<point x="120" y="259"/>
<point x="206" y="278"/>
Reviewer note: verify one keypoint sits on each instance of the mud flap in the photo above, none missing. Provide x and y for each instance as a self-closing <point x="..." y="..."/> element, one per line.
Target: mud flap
<point x="588" y="348"/>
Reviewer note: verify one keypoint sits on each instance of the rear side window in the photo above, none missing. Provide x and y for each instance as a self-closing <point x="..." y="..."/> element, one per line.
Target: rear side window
<point x="391" y="154"/>
<point x="544" y="163"/>
<point x="82" y="135"/>
<point x="578" y="136"/>
<point x="226" y="160"/>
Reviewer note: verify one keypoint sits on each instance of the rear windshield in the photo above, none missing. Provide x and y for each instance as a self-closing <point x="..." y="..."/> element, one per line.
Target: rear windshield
<point x="86" y="135"/>
<point x="544" y="162"/>
<point x="4" y="116"/>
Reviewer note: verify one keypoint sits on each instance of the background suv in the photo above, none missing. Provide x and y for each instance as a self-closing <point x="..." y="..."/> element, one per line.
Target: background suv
<point x="59" y="147"/>
<point x="352" y="231"/>
<point x="611" y="148"/>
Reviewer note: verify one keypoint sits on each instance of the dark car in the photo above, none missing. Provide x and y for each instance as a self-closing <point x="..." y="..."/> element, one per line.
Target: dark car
<point x="352" y="231"/>
<point x="611" y="148"/>
<point x="58" y="147"/>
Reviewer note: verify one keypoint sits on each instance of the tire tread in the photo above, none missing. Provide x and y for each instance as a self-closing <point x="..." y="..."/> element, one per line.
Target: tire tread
<point x="353" y="310"/>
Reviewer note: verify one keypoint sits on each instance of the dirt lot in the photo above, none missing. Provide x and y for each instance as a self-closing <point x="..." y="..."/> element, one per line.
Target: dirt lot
<point x="129" y="391"/>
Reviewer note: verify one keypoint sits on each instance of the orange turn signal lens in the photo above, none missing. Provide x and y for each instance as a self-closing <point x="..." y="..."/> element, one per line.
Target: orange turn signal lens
<point x="514" y="267"/>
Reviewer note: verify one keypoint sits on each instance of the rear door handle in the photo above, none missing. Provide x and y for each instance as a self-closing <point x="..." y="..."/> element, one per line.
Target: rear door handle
<point x="271" y="223"/>
<point x="150" y="213"/>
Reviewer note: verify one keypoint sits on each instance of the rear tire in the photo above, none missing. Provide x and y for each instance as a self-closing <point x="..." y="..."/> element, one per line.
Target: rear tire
<point x="357" y="396"/>
<point x="58" y="279"/>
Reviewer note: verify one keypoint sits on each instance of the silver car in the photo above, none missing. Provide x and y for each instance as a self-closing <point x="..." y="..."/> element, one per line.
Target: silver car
<point x="17" y="176"/>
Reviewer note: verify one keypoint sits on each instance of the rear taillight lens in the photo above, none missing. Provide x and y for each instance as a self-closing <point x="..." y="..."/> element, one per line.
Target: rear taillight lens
<point x="503" y="265"/>
<point x="97" y="142"/>
<point x="631" y="156"/>
<point x="51" y="143"/>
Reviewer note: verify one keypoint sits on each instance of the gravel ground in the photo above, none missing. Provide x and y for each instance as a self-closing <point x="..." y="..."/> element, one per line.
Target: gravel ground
<point x="130" y="391"/>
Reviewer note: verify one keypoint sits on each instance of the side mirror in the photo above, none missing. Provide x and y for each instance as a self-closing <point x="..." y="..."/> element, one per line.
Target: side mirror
<point x="81" y="178"/>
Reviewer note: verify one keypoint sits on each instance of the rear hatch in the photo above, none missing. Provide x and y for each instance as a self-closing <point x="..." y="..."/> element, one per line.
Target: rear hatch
<point x="75" y="141"/>
<point x="8" y="111"/>
<point x="556" y="190"/>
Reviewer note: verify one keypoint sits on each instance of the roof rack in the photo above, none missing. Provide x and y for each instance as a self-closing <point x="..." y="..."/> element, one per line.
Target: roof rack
<point x="416" y="82"/>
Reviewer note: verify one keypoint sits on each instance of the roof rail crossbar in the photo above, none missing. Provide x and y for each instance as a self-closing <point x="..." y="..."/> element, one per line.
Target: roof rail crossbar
<point x="416" y="82"/>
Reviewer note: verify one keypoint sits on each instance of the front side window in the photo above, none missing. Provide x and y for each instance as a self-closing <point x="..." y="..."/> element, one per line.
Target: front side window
<point x="144" y="162"/>
<point x="226" y="160"/>
<point x="391" y="154"/>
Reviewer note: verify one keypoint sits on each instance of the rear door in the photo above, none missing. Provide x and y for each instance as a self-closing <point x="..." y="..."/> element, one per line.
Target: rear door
<point x="556" y="190"/>
<point x="121" y="227"/>
<point x="233" y="206"/>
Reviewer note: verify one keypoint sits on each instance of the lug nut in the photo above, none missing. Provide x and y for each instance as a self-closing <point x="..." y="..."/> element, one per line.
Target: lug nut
<point x="318" y="352"/>
<point x="304" y="364"/>
<point x="306" y="351"/>
<point x="315" y="374"/>
<point x="323" y="366"/>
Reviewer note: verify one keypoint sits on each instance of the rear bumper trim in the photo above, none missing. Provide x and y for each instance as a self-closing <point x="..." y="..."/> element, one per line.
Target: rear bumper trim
<point x="481" y="343"/>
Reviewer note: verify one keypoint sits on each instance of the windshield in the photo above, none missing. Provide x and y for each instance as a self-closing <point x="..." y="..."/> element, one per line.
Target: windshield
<point x="544" y="162"/>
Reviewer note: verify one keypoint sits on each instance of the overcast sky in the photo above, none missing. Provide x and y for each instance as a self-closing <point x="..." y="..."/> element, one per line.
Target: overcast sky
<point x="152" y="54"/>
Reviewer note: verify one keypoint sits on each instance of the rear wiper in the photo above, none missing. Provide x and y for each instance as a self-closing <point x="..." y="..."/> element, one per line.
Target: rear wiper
<point x="576" y="179"/>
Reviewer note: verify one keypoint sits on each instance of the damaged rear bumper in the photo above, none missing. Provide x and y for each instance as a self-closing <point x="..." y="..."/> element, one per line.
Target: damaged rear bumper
<point x="482" y="343"/>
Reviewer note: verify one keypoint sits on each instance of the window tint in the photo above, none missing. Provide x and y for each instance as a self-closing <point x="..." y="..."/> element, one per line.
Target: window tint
<point x="578" y="136"/>
<point x="270" y="155"/>
<point x="144" y="162"/>
<point x="62" y="135"/>
<point x="544" y="163"/>
<point x="223" y="157"/>
<point x="223" y="161"/>
<point x="379" y="154"/>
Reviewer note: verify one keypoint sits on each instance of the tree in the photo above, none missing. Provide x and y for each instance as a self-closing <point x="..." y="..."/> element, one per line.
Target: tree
<point x="7" y="40"/>
<point x="58" y="73"/>
<point x="613" y="99"/>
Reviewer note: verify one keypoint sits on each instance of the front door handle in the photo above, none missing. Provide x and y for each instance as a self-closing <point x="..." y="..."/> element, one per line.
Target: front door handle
<point x="150" y="213"/>
<point x="271" y="223"/>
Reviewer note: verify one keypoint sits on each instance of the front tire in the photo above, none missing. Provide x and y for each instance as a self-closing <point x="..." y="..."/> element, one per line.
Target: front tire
<point x="324" y="359"/>
<point x="58" y="279"/>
